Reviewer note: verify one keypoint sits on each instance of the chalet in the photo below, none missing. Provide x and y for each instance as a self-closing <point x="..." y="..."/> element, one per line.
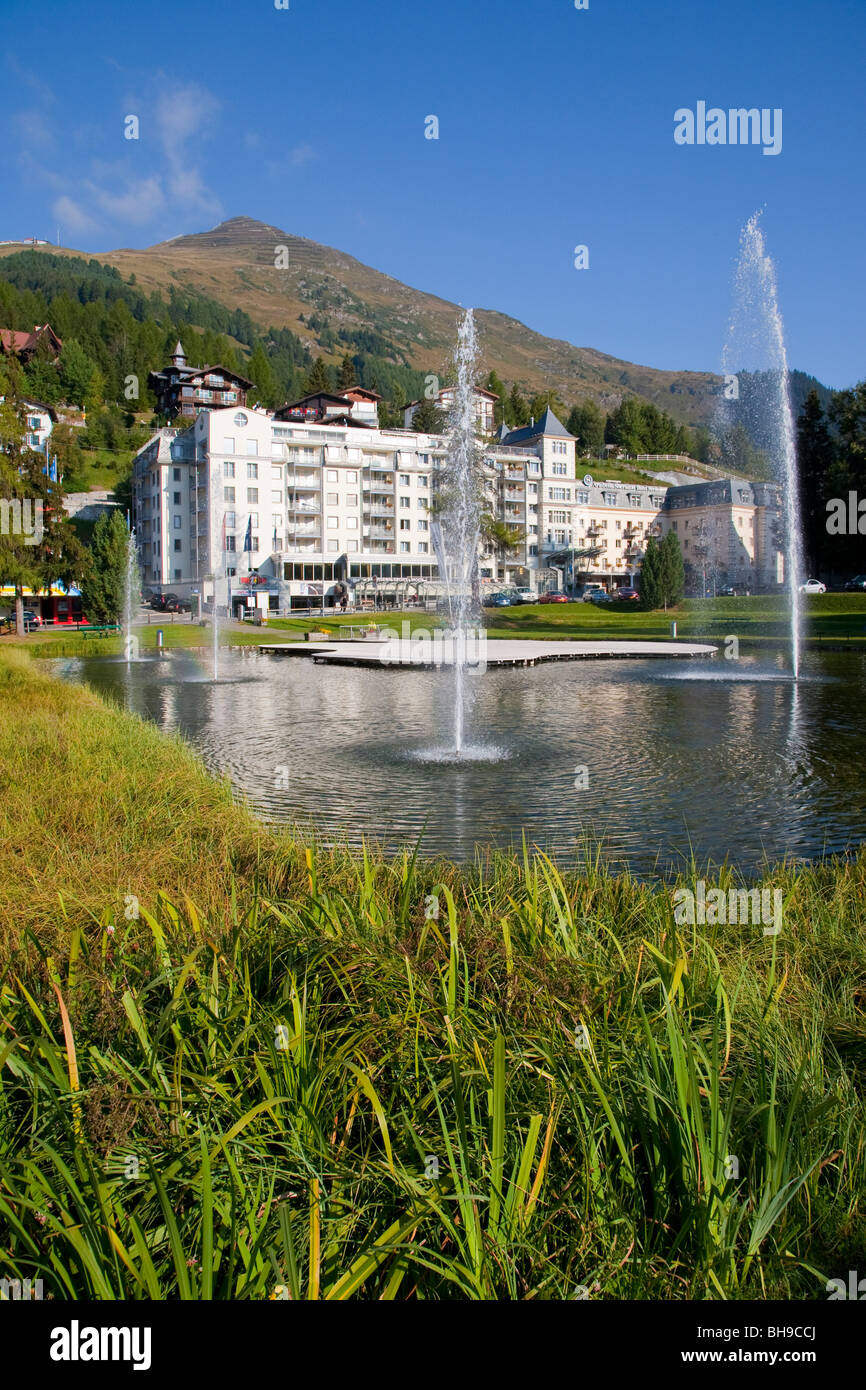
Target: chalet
<point x="184" y="390"/>
<point x="354" y="406"/>
<point x="42" y="342"/>
<point x="483" y="403"/>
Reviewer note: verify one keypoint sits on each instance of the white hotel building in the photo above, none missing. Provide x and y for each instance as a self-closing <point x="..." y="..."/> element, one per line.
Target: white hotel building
<point x="324" y="496"/>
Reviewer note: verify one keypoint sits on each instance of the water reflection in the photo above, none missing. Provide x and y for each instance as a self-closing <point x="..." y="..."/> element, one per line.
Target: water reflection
<point x="744" y="767"/>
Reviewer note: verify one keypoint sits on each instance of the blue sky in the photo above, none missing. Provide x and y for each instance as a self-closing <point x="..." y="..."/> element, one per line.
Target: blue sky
<point x="555" y="129"/>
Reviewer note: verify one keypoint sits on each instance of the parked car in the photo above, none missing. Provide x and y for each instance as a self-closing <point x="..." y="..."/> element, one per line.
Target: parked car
<point x="813" y="586"/>
<point x="555" y="596"/>
<point x="157" y="602"/>
<point x="590" y="590"/>
<point x="600" y="596"/>
<point x="632" y="595"/>
<point x="497" y="601"/>
<point x="525" y="595"/>
<point x="857" y="585"/>
<point x="32" y="620"/>
<point x="173" y="604"/>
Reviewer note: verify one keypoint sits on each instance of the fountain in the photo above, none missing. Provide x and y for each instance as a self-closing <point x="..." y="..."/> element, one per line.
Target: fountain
<point x="131" y="598"/>
<point x="456" y="536"/>
<point x="215" y="633"/>
<point x="756" y="328"/>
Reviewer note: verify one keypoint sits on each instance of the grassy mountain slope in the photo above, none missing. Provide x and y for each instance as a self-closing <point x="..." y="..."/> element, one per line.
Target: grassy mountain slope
<point x="337" y="304"/>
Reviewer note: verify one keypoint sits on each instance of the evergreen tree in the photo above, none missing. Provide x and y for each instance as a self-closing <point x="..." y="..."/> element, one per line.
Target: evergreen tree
<point x="102" y="594"/>
<point x="649" y="579"/>
<point x="348" y="375"/>
<point x="518" y="410"/>
<point x="671" y="571"/>
<point x="429" y="418"/>
<point x="76" y="373"/>
<point x="319" y="378"/>
<point x="586" y="423"/>
<point x="259" y="370"/>
<point x="816" y="455"/>
<point x="544" y="400"/>
<point x="493" y="383"/>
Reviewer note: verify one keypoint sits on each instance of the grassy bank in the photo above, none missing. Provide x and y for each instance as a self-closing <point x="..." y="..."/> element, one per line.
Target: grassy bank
<point x="832" y="622"/>
<point x="237" y="1067"/>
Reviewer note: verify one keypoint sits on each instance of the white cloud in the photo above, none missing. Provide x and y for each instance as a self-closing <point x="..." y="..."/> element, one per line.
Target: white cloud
<point x="166" y="158"/>
<point x="71" y="217"/>
<point x="141" y="201"/>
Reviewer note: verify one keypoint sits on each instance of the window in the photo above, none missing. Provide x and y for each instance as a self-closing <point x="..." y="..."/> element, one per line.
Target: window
<point x="333" y="545"/>
<point x="352" y="499"/>
<point x="177" y="523"/>
<point x="333" y="523"/>
<point x="229" y="444"/>
<point x="423" y="526"/>
<point x="405" y="525"/>
<point x="276" y="494"/>
<point x="175" y="497"/>
<point x="228" y="470"/>
<point x="559" y="469"/>
<point x="353" y="545"/>
<point x="559" y="494"/>
<point x="423" y="481"/>
<point x="230" y="543"/>
<point x="332" y="476"/>
<point x="178" y="545"/>
<point x="252" y="448"/>
<point x="405" y="501"/>
<point x="252" y="468"/>
<point x="404" y="480"/>
<point x="405" y="547"/>
<point x="333" y="499"/>
<point x="351" y="523"/>
<point x="422" y="547"/>
<point x="252" y="494"/>
<point x="178" y="574"/>
<point x="533" y="489"/>
<point x="423" y="501"/>
<point x="230" y="520"/>
<point x="352" y="476"/>
<point x="176" y="475"/>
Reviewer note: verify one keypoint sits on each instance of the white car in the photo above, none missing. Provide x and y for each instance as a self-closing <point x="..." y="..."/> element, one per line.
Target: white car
<point x="813" y="586"/>
<point x="525" y="595"/>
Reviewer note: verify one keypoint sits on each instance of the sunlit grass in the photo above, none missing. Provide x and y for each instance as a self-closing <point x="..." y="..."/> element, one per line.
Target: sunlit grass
<point x="236" y="1066"/>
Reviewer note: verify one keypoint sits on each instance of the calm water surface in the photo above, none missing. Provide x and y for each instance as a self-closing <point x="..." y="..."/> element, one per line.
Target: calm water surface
<point x="723" y="759"/>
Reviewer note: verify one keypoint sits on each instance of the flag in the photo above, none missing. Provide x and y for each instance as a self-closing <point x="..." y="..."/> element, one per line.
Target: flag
<point x="248" y="538"/>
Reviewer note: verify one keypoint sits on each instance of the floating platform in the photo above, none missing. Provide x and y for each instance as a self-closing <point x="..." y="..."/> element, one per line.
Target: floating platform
<point x="400" y="654"/>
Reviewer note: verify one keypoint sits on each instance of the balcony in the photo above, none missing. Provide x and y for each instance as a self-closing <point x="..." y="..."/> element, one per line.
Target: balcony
<point x="384" y="532"/>
<point x="308" y="505"/>
<point x="379" y="509"/>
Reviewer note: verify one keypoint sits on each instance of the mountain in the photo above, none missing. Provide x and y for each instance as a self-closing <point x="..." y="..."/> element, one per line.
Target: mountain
<point x="336" y="305"/>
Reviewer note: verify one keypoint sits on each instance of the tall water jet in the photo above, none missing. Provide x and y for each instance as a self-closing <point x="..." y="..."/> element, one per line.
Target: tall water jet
<point x="215" y="633"/>
<point x="131" y="598"/>
<point x="756" y="339"/>
<point x="457" y="527"/>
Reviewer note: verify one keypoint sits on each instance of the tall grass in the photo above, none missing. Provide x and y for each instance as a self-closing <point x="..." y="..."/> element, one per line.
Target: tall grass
<point x="313" y="1075"/>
